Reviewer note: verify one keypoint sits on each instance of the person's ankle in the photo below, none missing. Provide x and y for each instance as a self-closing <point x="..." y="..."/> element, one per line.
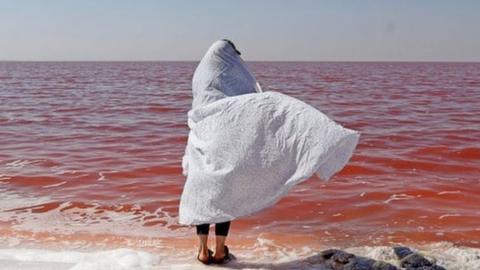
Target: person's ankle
<point x="203" y="250"/>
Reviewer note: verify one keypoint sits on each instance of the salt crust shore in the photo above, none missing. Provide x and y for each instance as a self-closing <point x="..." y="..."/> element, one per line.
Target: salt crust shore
<point x="445" y="254"/>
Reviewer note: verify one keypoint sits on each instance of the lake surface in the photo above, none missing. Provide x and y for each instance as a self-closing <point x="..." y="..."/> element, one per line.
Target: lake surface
<point x="90" y="153"/>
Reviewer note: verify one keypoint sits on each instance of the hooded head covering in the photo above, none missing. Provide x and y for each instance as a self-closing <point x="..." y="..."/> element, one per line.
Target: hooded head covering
<point x="221" y="73"/>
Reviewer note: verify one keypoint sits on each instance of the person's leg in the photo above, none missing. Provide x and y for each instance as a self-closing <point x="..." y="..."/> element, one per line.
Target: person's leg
<point x="221" y="232"/>
<point x="202" y="232"/>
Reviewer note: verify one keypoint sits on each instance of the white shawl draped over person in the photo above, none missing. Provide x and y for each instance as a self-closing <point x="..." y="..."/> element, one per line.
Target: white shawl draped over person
<point x="247" y="148"/>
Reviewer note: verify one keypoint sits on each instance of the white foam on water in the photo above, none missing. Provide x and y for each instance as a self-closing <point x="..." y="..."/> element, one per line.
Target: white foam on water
<point x="20" y="163"/>
<point x="264" y="254"/>
<point x="67" y="218"/>
<point x="399" y="197"/>
<point x="448" y="215"/>
<point x="449" y="192"/>
<point x="102" y="176"/>
<point x="11" y="200"/>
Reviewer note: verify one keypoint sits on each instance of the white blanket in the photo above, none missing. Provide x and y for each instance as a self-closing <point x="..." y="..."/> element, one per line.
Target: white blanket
<point x="247" y="148"/>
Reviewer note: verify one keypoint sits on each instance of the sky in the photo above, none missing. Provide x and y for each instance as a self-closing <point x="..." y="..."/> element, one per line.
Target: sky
<point x="263" y="30"/>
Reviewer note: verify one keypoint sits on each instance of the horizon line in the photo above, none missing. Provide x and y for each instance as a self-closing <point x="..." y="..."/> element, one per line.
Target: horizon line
<point x="263" y="61"/>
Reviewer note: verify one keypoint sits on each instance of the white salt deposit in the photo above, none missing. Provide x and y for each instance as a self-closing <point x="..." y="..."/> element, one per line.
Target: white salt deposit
<point x="118" y="259"/>
<point x="265" y="254"/>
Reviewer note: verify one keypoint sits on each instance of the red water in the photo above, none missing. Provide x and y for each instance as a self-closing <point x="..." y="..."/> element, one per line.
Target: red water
<point x="96" y="148"/>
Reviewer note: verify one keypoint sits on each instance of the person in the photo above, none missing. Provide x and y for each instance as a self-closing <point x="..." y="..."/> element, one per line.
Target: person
<point x="247" y="147"/>
<point x="235" y="79"/>
<point x="221" y="254"/>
